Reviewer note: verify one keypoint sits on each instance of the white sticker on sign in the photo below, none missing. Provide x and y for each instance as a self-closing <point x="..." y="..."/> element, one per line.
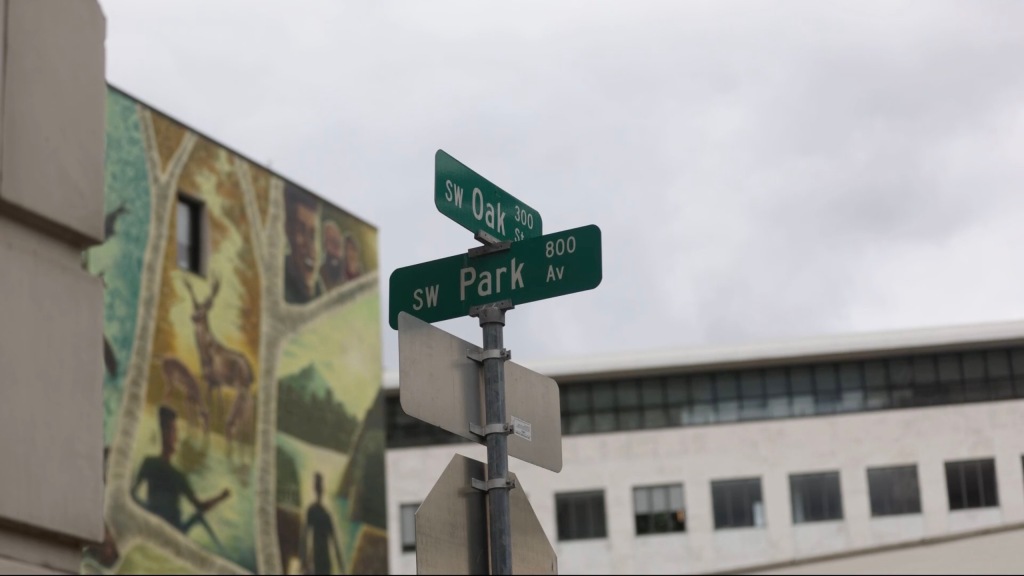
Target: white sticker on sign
<point x="522" y="428"/>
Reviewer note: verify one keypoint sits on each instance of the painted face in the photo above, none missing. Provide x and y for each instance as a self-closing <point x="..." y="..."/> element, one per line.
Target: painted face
<point x="353" y="266"/>
<point x="302" y="236"/>
<point x="171" y="438"/>
<point x="333" y="242"/>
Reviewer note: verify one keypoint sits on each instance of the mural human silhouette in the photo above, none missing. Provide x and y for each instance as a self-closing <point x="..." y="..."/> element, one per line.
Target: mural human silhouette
<point x="318" y="522"/>
<point x="166" y="485"/>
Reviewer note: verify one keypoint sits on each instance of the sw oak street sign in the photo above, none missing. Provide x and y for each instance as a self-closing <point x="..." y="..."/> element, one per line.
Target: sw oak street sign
<point x="476" y="204"/>
<point x="529" y="270"/>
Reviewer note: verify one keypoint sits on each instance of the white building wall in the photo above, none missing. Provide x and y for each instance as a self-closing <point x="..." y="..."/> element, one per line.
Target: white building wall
<point x="771" y="450"/>
<point x="993" y="553"/>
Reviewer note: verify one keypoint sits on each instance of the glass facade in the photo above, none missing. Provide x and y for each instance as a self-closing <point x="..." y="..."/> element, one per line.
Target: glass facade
<point x="407" y="514"/>
<point x="809" y="389"/>
<point x="972" y="484"/>
<point x="815" y="497"/>
<point x="659" y="509"/>
<point x="404" y="430"/>
<point x="894" y="490"/>
<point x="737" y="503"/>
<point x="189" y="235"/>
<point x="580" y="515"/>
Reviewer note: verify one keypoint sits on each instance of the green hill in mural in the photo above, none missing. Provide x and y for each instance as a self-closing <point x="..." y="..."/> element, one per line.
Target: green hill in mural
<point x="366" y="470"/>
<point x="308" y="410"/>
<point x="287" y="480"/>
<point x="307" y="382"/>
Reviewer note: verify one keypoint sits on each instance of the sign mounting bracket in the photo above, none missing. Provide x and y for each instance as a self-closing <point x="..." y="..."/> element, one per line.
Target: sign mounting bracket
<point x="491" y="245"/>
<point x="483" y="431"/>
<point x="479" y="357"/>
<point x="494" y="484"/>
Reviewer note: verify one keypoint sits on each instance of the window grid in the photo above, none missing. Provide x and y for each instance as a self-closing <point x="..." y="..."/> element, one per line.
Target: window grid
<point x="894" y="490"/>
<point x="407" y="518"/>
<point x="972" y="484"/>
<point x="737" y="503"/>
<point x="815" y="497"/>
<point x="700" y="398"/>
<point x="189" y="234"/>
<point x="580" y="515"/>
<point x="659" y="509"/>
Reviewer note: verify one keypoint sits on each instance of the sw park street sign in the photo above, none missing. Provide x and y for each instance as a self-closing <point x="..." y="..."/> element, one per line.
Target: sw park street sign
<point x="532" y="269"/>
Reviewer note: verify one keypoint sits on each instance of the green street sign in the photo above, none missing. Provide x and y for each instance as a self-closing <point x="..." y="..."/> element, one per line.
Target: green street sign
<point x="533" y="269"/>
<point x="476" y="204"/>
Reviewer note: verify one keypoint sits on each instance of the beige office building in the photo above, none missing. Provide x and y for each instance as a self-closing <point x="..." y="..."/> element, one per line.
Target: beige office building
<point x="866" y="453"/>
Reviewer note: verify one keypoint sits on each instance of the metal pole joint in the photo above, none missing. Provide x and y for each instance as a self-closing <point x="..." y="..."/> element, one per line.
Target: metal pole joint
<point x="493" y="313"/>
<point x="491" y="245"/>
<point x="479" y="357"/>
<point x="485" y="431"/>
<point x="494" y="484"/>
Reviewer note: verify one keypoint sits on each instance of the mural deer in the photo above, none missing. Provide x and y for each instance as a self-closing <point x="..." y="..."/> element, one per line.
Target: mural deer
<point x="177" y="377"/>
<point x="221" y="365"/>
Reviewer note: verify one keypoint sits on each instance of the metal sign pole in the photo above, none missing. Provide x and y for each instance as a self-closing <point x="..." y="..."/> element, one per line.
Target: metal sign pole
<point x="493" y="356"/>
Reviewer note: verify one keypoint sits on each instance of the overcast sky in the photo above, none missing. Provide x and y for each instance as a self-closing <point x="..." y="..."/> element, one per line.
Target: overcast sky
<point x="759" y="170"/>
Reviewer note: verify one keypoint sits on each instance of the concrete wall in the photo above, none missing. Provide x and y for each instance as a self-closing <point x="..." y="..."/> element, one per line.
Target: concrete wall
<point x="52" y="90"/>
<point x="985" y="553"/>
<point x="695" y="456"/>
<point x="53" y="121"/>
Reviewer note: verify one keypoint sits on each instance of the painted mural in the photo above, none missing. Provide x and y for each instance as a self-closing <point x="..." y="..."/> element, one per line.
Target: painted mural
<point x="244" y="424"/>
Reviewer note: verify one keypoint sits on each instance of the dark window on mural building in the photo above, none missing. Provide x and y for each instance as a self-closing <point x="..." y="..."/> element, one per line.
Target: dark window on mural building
<point x="971" y="484"/>
<point x="894" y="491"/>
<point x="815" y="497"/>
<point x="580" y="515"/>
<point x="737" y="503"/>
<point x="408" y="525"/>
<point x="189" y="235"/>
<point x="659" y="509"/>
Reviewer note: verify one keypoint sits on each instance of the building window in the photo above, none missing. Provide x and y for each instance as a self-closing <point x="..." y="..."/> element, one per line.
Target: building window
<point x="189" y="234"/>
<point x="737" y="503"/>
<point x="815" y="497"/>
<point x="753" y="404"/>
<point x="700" y="398"/>
<point x="404" y="431"/>
<point x="659" y="509"/>
<point x="580" y="515"/>
<point x="971" y="484"/>
<point x="1017" y="367"/>
<point x="894" y="491"/>
<point x="1000" y="377"/>
<point x="408" y="523"/>
<point x="851" y="386"/>
<point x="975" y="385"/>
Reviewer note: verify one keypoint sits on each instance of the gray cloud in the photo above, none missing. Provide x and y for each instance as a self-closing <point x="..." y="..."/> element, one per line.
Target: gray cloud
<point x="758" y="170"/>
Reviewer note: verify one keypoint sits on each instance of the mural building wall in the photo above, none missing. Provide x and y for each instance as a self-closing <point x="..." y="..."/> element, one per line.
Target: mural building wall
<point x="244" y="424"/>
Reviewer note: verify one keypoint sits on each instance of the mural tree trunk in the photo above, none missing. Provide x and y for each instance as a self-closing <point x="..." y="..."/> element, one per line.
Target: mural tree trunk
<point x="124" y="518"/>
<point x="280" y="320"/>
